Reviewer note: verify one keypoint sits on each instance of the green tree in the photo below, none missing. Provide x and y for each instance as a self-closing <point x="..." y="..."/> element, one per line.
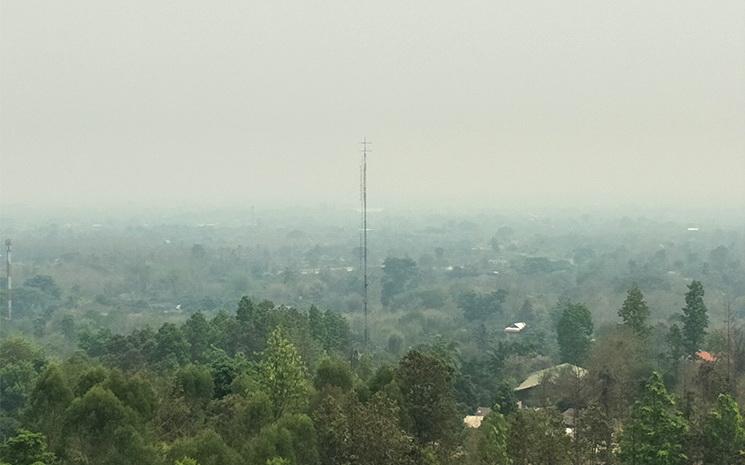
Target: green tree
<point x="20" y="364"/>
<point x="225" y="370"/>
<point x="593" y="438"/>
<point x="45" y="284"/>
<point x="656" y="432"/>
<point x="426" y="383"/>
<point x="48" y="401"/>
<point x="574" y="332"/>
<point x="635" y="313"/>
<point x="283" y="375"/>
<point x="104" y="431"/>
<point x="377" y="422"/>
<point x="334" y="372"/>
<point x="481" y="306"/>
<point x="207" y="448"/>
<point x="134" y="392"/>
<point x="695" y="318"/>
<point x="26" y="448"/>
<point x="333" y="430"/>
<point x="493" y="440"/>
<point x="292" y="437"/>
<point x="198" y="335"/>
<point x="171" y="347"/>
<point x="538" y="437"/>
<point x="398" y="276"/>
<point x="186" y="461"/>
<point x="195" y="382"/>
<point x="723" y="434"/>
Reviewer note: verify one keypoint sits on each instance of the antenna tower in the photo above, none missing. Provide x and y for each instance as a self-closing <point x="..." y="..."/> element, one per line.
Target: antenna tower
<point x="363" y="195"/>
<point x="9" y="277"/>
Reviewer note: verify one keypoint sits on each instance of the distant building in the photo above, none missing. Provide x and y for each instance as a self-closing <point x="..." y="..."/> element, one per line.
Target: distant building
<point x="516" y="328"/>
<point x="707" y="357"/>
<point x="474" y="421"/>
<point x="528" y="391"/>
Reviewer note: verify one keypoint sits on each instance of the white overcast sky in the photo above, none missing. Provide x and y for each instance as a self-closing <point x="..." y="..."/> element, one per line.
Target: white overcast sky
<point x="487" y="103"/>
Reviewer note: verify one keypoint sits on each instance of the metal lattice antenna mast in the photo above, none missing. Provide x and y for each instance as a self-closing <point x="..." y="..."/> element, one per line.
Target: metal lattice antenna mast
<point x="363" y="189"/>
<point x="9" y="277"/>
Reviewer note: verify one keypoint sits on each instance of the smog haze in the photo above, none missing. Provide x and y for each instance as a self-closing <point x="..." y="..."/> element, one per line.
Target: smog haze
<point x="467" y="103"/>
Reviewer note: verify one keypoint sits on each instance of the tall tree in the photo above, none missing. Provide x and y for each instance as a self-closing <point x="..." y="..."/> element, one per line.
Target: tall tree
<point x="492" y="445"/>
<point x="198" y="335"/>
<point x="377" y="422"/>
<point x="26" y="448"/>
<point x="481" y="306"/>
<point x="723" y="434"/>
<point x="656" y="433"/>
<point x="333" y="429"/>
<point x="538" y="437"/>
<point x="426" y="383"/>
<point x="283" y="374"/>
<point x="574" y="332"/>
<point x="104" y="431"/>
<point x="635" y="313"/>
<point x="398" y="275"/>
<point x="48" y="401"/>
<point x="695" y="318"/>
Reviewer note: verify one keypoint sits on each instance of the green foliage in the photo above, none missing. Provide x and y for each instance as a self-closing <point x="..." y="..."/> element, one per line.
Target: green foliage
<point x="695" y="318"/>
<point x="493" y="440"/>
<point x="482" y="306"/>
<point x="505" y="400"/>
<point x="538" y="437"/>
<point x="377" y="422"/>
<point x="91" y="377"/>
<point x="656" y="433"/>
<point x="282" y="375"/>
<point x="20" y="364"/>
<point x="594" y="432"/>
<point x="333" y="430"/>
<point x="399" y="274"/>
<point x="207" y="448"/>
<point x="426" y="383"/>
<point x="334" y="372"/>
<point x="330" y="329"/>
<point x="171" y="347"/>
<point x="225" y="369"/>
<point x="635" y="312"/>
<point x="26" y="448"/>
<point x="48" y="402"/>
<point x="196" y="384"/>
<point x="574" y="332"/>
<point x="134" y="391"/>
<point x="292" y="438"/>
<point x="105" y="431"/>
<point x="198" y="334"/>
<point x="723" y="434"/>
<point x="45" y="284"/>
<point x="186" y="461"/>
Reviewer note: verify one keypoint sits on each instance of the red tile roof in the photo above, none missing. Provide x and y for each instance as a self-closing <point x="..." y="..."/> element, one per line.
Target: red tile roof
<point x="706" y="356"/>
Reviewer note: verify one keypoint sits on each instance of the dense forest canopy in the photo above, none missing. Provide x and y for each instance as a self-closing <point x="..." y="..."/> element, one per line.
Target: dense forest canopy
<point x="187" y="342"/>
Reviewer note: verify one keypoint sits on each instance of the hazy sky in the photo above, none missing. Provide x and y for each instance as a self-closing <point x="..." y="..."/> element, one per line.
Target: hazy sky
<point x="479" y="102"/>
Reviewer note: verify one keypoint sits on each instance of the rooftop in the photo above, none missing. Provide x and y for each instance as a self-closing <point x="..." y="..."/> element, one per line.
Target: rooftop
<point x="537" y="378"/>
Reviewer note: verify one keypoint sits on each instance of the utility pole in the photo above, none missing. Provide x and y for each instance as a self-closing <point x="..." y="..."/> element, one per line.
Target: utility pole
<point x="363" y="192"/>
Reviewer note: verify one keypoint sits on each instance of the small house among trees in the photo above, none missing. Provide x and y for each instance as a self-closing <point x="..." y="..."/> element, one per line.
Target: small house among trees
<point x="532" y="390"/>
